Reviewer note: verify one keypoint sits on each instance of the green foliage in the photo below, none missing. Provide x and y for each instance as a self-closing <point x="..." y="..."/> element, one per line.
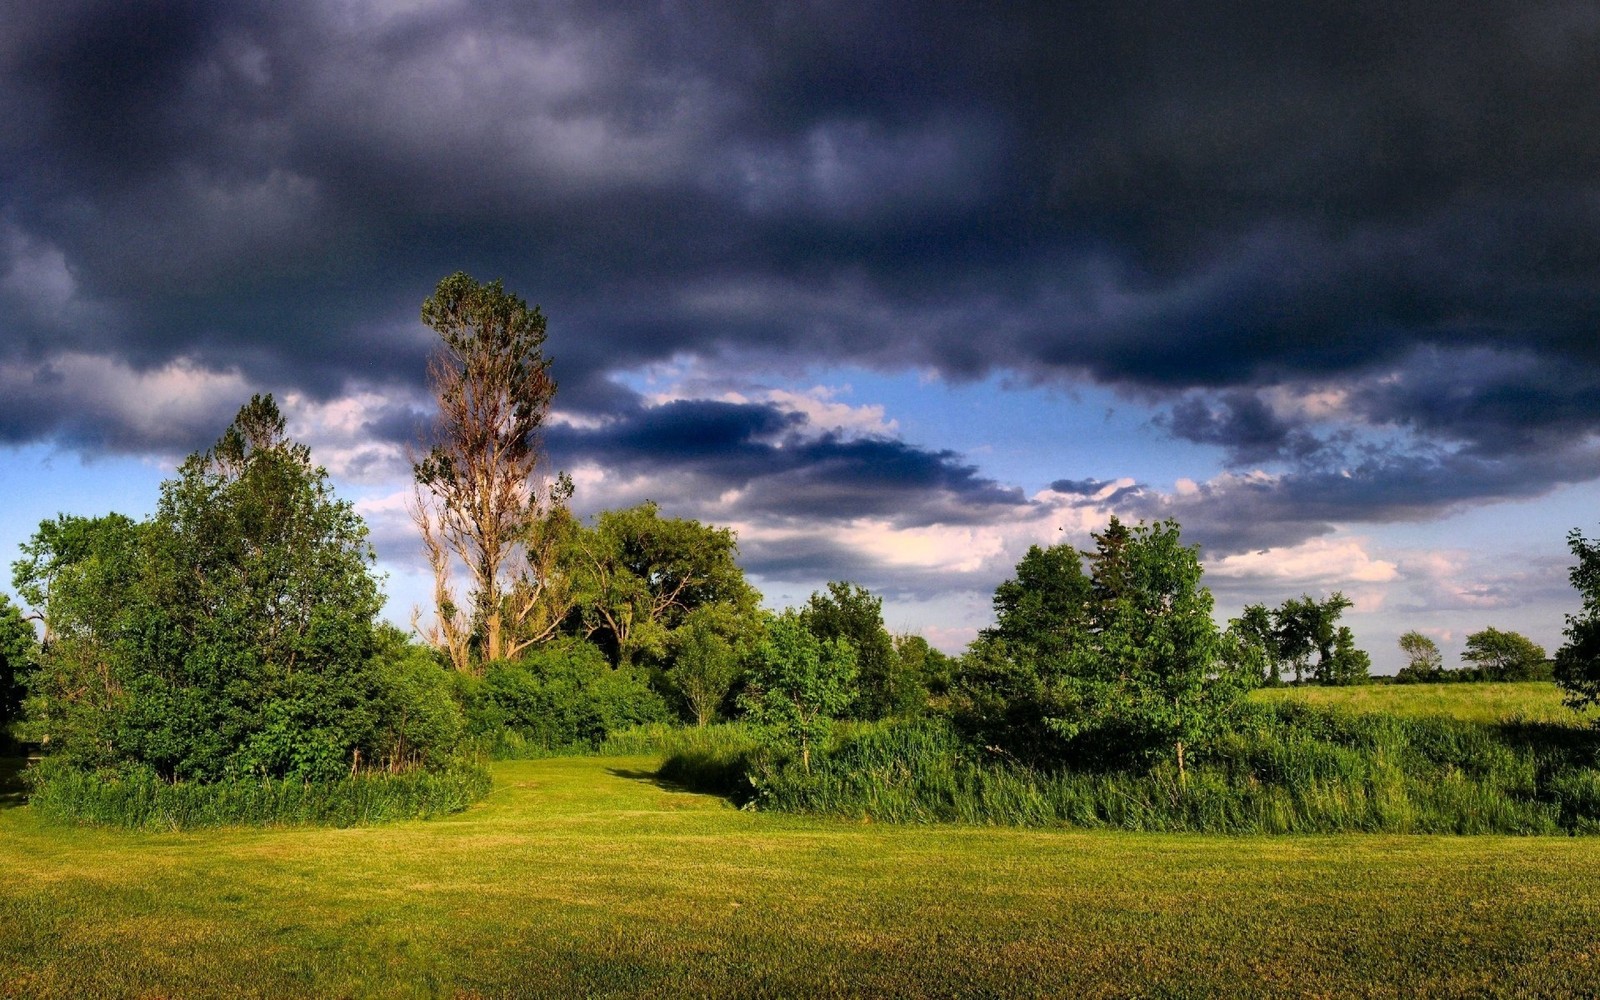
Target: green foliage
<point x="1424" y="663"/>
<point x="708" y="652"/>
<point x="1010" y="682"/>
<point x="928" y="670"/>
<point x="1254" y="644"/>
<point x="850" y="612"/>
<point x="1304" y="625"/>
<point x="232" y="635"/>
<point x="799" y="684"/>
<point x="638" y="575"/>
<point x="1505" y="656"/>
<point x="1577" y="667"/>
<point x="1283" y="768"/>
<point x="19" y="648"/>
<point x="141" y="799"/>
<point x="1127" y="659"/>
<point x="562" y="696"/>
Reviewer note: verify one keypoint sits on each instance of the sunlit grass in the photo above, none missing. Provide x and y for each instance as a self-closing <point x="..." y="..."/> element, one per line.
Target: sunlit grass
<point x="582" y="877"/>
<point x="1531" y="701"/>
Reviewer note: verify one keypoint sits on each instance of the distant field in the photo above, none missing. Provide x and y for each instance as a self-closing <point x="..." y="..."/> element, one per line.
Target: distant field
<point x="1532" y="701"/>
<point x="584" y="877"/>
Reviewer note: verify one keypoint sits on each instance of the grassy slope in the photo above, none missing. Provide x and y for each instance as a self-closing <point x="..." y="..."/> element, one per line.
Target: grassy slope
<point x="583" y="877"/>
<point x="1533" y="701"/>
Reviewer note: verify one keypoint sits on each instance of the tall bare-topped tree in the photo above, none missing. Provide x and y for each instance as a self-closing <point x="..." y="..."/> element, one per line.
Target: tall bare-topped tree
<point x="482" y="499"/>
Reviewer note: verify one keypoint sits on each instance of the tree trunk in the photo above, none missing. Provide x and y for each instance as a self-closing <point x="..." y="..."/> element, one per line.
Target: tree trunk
<point x="1183" y="778"/>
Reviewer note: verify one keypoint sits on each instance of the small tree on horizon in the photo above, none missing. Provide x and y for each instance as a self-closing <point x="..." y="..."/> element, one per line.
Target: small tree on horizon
<point x="1424" y="662"/>
<point x="1503" y="656"/>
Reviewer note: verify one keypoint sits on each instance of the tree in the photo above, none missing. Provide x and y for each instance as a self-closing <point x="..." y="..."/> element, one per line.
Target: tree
<point x="481" y="500"/>
<point x="931" y="670"/>
<point x="1504" y="656"/>
<point x="849" y="611"/>
<point x="1157" y="666"/>
<point x="708" y="652"/>
<point x="637" y="576"/>
<point x="84" y="580"/>
<point x="1303" y="626"/>
<point x="19" y="647"/>
<point x="231" y="635"/>
<point x="1577" y="667"/>
<point x="1424" y="663"/>
<point x="1256" y="644"/>
<point x="1011" y="681"/>
<point x="1346" y="664"/>
<point x="799" y="684"/>
<point x="1044" y="610"/>
<point x="1128" y="656"/>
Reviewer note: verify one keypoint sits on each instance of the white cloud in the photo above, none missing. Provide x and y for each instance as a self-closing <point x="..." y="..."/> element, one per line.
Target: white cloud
<point x="1317" y="561"/>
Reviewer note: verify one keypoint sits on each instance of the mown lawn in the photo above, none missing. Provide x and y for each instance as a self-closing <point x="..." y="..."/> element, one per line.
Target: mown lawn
<point x="584" y="877"/>
<point x="1529" y="701"/>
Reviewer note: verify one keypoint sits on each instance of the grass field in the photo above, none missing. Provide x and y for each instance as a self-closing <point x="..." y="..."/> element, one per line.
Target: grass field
<point x="1532" y="701"/>
<point x="585" y="877"/>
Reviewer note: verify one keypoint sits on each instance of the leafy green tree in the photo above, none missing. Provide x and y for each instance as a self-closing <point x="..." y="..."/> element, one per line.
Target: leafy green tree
<point x="482" y="502"/>
<point x="708" y="654"/>
<point x="1504" y="656"/>
<point x="1577" y="667"/>
<point x="1157" y="665"/>
<point x="932" y="669"/>
<point x="85" y="579"/>
<point x="849" y="611"/>
<point x="1346" y="664"/>
<point x="19" y="647"/>
<point x="1044" y="611"/>
<point x="1424" y="663"/>
<point x="799" y="684"/>
<point x="1257" y="641"/>
<point x="233" y="634"/>
<point x="1303" y="626"/>
<point x="1010" y="683"/>
<point x="637" y="576"/>
<point x="1128" y="655"/>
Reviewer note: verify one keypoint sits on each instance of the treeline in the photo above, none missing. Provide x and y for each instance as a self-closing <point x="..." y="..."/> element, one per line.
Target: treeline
<point x="1492" y="655"/>
<point x="223" y="660"/>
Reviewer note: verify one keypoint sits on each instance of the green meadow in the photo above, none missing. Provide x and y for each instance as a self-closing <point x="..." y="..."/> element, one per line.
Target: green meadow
<point x="587" y="877"/>
<point x="1525" y="701"/>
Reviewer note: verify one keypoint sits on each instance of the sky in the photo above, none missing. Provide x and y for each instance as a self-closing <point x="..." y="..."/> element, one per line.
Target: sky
<point x="894" y="289"/>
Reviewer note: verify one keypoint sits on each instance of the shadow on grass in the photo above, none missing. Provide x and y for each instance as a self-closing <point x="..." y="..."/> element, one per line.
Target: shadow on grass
<point x="13" y="792"/>
<point x="650" y="778"/>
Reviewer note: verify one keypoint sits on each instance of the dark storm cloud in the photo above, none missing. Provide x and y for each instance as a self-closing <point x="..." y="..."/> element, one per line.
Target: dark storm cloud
<point x="777" y="465"/>
<point x="1197" y="204"/>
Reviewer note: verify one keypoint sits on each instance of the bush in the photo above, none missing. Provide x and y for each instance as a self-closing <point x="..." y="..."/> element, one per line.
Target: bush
<point x="140" y="799"/>
<point x="562" y="697"/>
<point x="1287" y="768"/>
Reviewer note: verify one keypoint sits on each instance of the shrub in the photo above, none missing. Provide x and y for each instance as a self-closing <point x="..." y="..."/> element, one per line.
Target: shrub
<point x="138" y="798"/>
<point x="563" y="696"/>
<point x="1286" y="768"/>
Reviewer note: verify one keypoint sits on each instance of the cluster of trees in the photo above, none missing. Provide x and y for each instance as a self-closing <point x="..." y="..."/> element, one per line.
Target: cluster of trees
<point x="1492" y="655"/>
<point x="236" y="633"/>
<point x="1286" y="638"/>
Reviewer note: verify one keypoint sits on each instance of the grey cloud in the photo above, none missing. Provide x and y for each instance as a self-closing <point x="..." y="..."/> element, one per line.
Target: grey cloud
<point x="1191" y="203"/>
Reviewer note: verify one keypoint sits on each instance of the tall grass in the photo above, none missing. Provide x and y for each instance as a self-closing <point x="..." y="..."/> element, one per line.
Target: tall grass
<point x="1534" y="701"/>
<point x="1285" y="768"/>
<point x="144" y="801"/>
